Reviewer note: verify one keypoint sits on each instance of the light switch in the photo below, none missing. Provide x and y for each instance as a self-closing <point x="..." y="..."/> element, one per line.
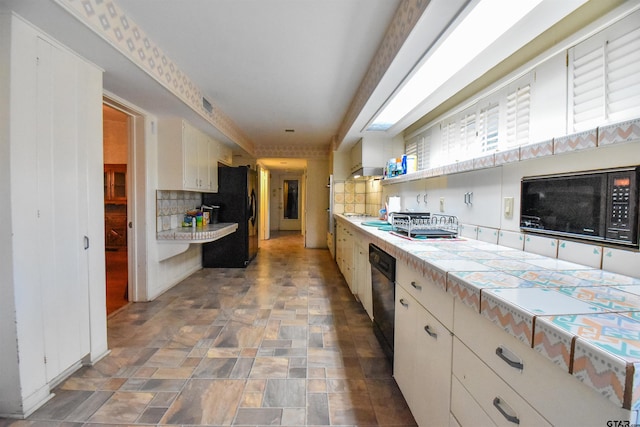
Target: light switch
<point x="508" y="207"/>
<point x="441" y="204"/>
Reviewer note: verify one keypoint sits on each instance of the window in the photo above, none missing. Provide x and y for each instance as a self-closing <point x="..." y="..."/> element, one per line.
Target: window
<point x="604" y="76"/>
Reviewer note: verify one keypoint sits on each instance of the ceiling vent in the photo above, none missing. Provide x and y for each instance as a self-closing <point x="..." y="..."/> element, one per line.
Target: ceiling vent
<point x="207" y="105"/>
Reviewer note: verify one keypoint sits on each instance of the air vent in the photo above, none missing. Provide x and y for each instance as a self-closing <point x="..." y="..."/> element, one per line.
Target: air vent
<point x="207" y="105"/>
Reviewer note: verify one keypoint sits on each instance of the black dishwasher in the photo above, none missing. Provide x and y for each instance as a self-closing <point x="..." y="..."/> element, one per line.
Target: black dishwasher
<point x="383" y="290"/>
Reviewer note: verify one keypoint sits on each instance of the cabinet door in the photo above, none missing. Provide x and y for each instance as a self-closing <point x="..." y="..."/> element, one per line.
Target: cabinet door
<point x="204" y="161"/>
<point x="190" y="157"/>
<point x="362" y="273"/>
<point x="404" y="347"/>
<point x="213" y="165"/>
<point x="432" y="374"/>
<point x="348" y="258"/>
<point x="62" y="201"/>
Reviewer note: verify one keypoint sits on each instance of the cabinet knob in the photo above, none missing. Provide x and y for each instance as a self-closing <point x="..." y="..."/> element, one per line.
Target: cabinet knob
<point x="416" y="286"/>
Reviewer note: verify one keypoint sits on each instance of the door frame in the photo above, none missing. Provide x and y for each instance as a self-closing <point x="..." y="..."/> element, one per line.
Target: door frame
<point x="136" y="205"/>
<point x="293" y="224"/>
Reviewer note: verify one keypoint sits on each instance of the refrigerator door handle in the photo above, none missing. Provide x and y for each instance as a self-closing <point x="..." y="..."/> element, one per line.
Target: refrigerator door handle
<point x="252" y="207"/>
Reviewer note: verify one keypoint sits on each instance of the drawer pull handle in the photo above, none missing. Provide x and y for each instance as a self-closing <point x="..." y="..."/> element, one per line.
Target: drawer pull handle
<point x="416" y="286"/>
<point x="511" y="418"/>
<point x="432" y="334"/>
<point x="403" y="303"/>
<point x="501" y="355"/>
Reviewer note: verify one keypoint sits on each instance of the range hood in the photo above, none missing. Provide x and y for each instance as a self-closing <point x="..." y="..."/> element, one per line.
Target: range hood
<point x="370" y="154"/>
<point x="367" y="172"/>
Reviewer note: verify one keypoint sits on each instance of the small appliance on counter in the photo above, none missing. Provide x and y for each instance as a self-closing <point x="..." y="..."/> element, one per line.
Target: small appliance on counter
<point x="425" y="224"/>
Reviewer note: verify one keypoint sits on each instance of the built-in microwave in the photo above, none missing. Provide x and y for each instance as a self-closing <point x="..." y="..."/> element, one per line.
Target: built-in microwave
<point x="594" y="205"/>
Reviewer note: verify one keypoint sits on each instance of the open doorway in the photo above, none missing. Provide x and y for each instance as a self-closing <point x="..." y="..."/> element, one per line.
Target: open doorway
<point x="290" y="203"/>
<point x="116" y="152"/>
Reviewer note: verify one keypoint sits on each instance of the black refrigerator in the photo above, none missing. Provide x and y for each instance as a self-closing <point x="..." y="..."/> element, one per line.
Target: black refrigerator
<point x="238" y="201"/>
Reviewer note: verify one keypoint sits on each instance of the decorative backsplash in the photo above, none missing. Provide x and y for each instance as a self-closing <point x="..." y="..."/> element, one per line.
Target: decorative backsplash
<point x="171" y="207"/>
<point x="357" y="196"/>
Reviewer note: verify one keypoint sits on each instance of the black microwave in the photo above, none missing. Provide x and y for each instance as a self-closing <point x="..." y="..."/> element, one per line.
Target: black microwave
<point x="595" y="205"/>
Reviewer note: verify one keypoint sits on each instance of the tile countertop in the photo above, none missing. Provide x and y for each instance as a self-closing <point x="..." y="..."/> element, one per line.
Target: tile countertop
<point x="586" y="321"/>
<point x="205" y="234"/>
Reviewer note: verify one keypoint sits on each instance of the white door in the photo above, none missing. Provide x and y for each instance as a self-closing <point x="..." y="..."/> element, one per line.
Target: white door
<point x="291" y="202"/>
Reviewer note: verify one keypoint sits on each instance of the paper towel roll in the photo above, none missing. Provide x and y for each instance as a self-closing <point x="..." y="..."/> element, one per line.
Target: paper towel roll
<point x="393" y="206"/>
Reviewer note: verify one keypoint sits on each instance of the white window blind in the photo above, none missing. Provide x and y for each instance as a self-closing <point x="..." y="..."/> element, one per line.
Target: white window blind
<point x="449" y="145"/>
<point x="518" y="111"/>
<point x="623" y="75"/>
<point x="604" y="76"/>
<point x="467" y="140"/>
<point x="420" y="146"/>
<point x="488" y="125"/>
<point x="587" y="85"/>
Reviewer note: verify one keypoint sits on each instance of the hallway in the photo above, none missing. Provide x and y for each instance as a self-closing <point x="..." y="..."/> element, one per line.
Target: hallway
<point x="282" y="342"/>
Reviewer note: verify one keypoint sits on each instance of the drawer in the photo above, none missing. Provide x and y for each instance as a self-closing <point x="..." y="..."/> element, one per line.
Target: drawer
<point x="464" y="410"/>
<point x="539" y="381"/>
<point x="429" y="294"/>
<point x="501" y="403"/>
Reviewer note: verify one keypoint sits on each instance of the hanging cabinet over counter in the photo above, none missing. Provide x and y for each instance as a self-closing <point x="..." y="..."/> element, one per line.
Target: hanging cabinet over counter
<point x="187" y="157"/>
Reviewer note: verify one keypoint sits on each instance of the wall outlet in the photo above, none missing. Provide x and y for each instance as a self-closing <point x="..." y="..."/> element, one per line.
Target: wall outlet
<point x="441" y="204"/>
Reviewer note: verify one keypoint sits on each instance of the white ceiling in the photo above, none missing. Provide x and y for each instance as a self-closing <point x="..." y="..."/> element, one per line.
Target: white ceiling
<point x="271" y="65"/>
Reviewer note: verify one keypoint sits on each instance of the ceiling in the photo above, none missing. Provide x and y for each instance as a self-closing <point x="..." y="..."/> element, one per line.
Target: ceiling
<point x="272" y="65"/>
<point x="285" y="72"/>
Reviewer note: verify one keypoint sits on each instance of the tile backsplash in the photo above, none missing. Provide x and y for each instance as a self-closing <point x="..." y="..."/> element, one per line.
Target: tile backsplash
<point x="357" y="196"/>
<point x="172" y="205"/>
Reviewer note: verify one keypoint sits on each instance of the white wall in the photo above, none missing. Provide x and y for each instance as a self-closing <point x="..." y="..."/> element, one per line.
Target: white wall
<point x="10" y="379"/>
<point x="490" y="186"/>
<point x="316" y="225"/>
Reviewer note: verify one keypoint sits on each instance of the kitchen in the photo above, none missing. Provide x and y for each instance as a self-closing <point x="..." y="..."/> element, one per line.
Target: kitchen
<point x="485" y="210"/>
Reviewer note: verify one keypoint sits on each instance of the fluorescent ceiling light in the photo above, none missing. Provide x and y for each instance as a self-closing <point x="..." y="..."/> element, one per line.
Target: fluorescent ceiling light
<point x="488" y="20"/>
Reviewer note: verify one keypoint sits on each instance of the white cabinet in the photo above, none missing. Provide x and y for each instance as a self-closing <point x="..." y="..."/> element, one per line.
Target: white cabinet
<point x="422" y="360"/>
<point x="500" y="402"/>
<point x="540" y="382"/>
<point x="187" y="157"/>
<point x="225" y="155"/>
<point x="428" y="293"/>
<point x="53" y="306"/>
<point x="362" y="274"/>
<point x="344" y="253"/>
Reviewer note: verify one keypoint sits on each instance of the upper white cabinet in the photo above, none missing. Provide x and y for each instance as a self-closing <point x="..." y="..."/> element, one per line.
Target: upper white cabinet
<point x="225" y="155"/>
<point x="187" y="157"/>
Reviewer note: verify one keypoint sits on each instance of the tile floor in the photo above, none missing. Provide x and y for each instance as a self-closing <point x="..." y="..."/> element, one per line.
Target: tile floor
<point x="282" y="342"/>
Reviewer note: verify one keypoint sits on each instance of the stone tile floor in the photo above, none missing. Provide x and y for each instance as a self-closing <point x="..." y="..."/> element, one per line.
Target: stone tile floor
<point x="282" y="342"/>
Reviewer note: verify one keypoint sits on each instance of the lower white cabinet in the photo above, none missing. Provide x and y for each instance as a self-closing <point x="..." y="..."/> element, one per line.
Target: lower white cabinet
<point x="501" y="403"/>
<point x="465" y="411"/>
<point x="362" y="274"/>
<point x="537" y="380"/>
<point x="422" y="360"/>
<point x="344" y="253"/>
